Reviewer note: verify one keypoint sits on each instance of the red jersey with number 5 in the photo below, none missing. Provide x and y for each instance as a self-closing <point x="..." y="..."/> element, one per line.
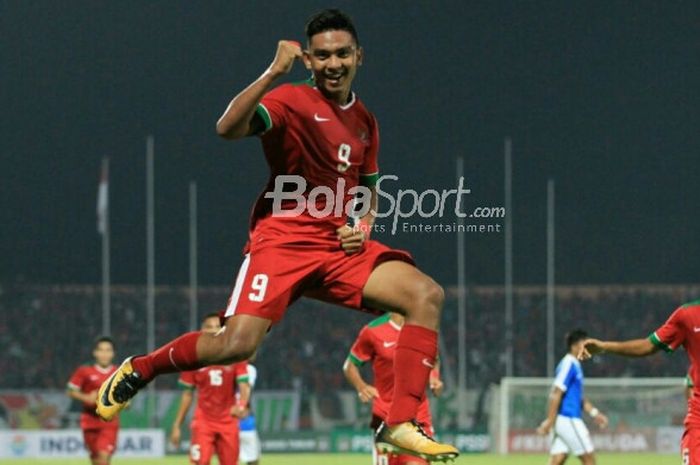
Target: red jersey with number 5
<point x="217" y="390"/>
<point x="683" y="329"/>
<point x="330" y="146"/>
<point x="376" y="343"/>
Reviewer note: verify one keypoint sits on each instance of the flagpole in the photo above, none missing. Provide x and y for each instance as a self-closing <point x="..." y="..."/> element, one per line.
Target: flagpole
<point x="550" y="278"/>
<point x="461" y="314"/>
<point x="193" y="256"/>
<point x="508" y="287"/>
<point x="103" y="226"/>
<point x="150" y="268"/>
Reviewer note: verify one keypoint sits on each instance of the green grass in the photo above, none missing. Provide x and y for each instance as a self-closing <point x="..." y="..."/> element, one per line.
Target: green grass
<point x="360" y="459"/>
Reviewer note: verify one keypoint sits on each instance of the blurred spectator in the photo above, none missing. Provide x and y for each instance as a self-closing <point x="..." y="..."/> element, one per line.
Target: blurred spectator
<point x="311" y="343"/>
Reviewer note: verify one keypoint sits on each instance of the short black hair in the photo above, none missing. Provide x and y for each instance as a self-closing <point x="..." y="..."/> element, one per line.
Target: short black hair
<point x="572" y="337"/>
<point x="210" y="315"/>
<point x="102" y="339"/>
<point x="330" y="20"/>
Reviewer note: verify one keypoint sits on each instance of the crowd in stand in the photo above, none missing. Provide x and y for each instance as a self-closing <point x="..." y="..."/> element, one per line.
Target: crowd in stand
<point x="46" y="331"/>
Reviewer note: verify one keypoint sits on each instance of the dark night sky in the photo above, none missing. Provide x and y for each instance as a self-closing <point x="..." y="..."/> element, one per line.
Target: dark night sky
<point x="603" y="97"/>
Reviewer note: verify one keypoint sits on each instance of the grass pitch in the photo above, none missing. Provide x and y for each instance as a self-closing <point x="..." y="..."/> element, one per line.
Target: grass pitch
<point x="361" y="459"/>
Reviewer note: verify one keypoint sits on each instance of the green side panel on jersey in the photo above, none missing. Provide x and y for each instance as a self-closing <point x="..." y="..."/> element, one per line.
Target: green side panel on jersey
<point x="692" y="303"/>
<point x="308" y="82"/>
<point x="369" y="180"/>
<point x="264" y="115"/>
<point x="657" y="342"/>
<point x="184" y="385"/>
<point x="355" y="361"/>
<point x="379" y="321"/>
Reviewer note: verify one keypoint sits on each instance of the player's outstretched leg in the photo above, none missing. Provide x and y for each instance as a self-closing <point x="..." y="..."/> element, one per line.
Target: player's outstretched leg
<point x="400" y="287"/>
<point x="237" y="341"/>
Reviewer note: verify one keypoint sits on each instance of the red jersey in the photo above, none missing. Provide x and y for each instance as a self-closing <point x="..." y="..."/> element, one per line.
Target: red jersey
<point x="376" y="343"/>
<point x="217" y="390"/>
<point x="683" y="329"/>
<point x="85" y="379"/>
<point x="310" y="136"/>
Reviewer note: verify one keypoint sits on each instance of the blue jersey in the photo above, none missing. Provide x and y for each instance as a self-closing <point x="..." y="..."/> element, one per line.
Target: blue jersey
<point x="248" y="423"/>
<point x="569" y="378"/>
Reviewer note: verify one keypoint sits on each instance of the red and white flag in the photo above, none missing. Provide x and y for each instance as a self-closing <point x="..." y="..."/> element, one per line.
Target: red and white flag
<point x="103" y="198"/>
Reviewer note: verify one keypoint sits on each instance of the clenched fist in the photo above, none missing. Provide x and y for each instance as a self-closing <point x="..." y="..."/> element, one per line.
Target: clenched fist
<point x="287" y="52"/>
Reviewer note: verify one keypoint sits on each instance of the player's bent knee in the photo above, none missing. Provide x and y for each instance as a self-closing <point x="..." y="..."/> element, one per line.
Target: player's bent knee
<point x="436" y="296"/>
<point x="429" y="299"/>
<point x="239" y="346"/>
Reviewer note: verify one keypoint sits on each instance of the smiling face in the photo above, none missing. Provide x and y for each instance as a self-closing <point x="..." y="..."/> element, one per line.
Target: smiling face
<point x="333" y="57"/>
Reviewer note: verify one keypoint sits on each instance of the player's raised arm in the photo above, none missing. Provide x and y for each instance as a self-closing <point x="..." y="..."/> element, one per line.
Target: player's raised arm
<point x="668" y="337"/>
<point x="631" y="348"/>
<point x="237" y="121"/>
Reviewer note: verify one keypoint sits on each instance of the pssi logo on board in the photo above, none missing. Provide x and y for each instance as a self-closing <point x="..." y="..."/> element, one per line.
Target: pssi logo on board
<point x="18" y="445"/>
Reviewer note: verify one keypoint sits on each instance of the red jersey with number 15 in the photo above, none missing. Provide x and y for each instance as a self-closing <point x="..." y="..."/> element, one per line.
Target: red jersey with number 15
<point x="376" y="343"/>
<point x="683" y="329"/>
<point x="217" y="390"/>
<point x="329" y="145"/>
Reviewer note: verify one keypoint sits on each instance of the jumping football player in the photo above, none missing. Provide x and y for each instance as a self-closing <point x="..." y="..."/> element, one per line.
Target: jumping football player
<point x="319" y="132"/>
<point x="566" y="406"/>
<point x="215" y="423"/>
<point x="100" y="437"/>
<point x="376" y="344"/>
<point x="681" y="329"/>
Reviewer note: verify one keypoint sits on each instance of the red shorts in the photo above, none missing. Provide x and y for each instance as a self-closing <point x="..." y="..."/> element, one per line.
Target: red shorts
<point x="210" y="437"/>
<point x="102" y="439"/>
<point x="271" y="278"/>
<point x="690" y="447"/>
<point x="405" y="459"/>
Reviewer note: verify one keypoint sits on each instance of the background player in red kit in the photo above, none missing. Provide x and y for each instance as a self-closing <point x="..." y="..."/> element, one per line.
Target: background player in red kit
<point x="100" y="437"/>
<point x="215" y="421"/>
<point x="376" y="344"/>
<point x="320" y="132"/>
<point x="681" y="329"/>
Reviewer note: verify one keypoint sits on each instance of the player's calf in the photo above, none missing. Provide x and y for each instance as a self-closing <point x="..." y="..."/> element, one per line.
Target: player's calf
<point x="237" y="342"/>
